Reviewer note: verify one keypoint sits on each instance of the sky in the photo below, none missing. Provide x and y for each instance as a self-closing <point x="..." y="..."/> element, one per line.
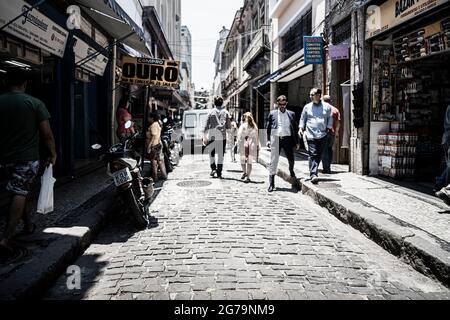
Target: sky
<point x="205" y="19"/>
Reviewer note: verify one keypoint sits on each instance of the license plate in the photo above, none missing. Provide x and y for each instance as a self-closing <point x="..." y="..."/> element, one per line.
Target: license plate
<point x="122" y="177"/>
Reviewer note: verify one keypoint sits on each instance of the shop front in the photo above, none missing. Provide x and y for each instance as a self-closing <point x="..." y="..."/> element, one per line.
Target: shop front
<point x="71" y="71"/>
<point x="410" y="88"/>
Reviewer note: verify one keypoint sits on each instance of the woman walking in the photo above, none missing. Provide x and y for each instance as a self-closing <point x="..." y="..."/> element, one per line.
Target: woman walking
<point x="249" y="145"/>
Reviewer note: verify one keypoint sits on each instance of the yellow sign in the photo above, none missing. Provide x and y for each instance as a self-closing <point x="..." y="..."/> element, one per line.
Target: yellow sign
<point x="395" y="12"/>
<point x="150" y="72"/>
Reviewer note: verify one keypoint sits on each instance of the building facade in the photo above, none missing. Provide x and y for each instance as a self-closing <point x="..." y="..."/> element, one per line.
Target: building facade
<point x="219" y="77"/>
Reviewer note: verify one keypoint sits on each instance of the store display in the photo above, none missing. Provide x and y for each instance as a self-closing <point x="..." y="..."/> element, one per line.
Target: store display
<point x="397" y="153"/>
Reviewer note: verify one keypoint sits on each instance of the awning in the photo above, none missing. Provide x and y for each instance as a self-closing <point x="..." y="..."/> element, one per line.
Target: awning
<point x="262" y="82"/>
<point x="294" y="73"/>
<point x="110" y="15"/>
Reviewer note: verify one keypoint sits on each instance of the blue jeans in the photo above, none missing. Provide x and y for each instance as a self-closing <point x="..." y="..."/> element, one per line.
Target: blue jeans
<point x="327" y="154"/>
<point x="315" y="149"/>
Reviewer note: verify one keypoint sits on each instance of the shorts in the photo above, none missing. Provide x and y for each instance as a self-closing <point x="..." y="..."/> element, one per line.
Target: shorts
<point x="21" y="177"/>
<point x="156" y="153"/>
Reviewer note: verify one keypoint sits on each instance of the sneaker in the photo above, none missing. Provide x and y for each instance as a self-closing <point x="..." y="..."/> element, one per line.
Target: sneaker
<point x="244" y="176"/>
<point x="314" y="179"/>
<point x="213" y="173"/>
<point x="443" y="195"/>
<point x="219" y="176"/>
<point x="247" y="180"/>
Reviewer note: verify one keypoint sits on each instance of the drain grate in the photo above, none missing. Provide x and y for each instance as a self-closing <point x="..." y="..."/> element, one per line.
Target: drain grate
<point x="194" y="184"/>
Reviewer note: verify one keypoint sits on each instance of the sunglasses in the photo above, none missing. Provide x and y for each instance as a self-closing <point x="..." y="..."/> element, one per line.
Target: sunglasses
<point x="282" y="100"/>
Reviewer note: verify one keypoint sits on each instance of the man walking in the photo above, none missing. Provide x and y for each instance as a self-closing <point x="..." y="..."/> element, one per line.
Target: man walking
<point x="327" y="156"/>
<point x="282" y="135"/>
<point x="316" y="122"/>
<point x="24" y="121"/>
<point x="215" y="134"/>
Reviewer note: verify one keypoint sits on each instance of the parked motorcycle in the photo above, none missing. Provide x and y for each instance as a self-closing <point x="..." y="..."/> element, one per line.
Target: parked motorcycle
<point x="171" y="147"/>
<point x="124" y="165"/>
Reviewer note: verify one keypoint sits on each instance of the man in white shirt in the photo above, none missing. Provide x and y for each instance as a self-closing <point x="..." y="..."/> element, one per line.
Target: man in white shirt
<point x="282" y="135"/>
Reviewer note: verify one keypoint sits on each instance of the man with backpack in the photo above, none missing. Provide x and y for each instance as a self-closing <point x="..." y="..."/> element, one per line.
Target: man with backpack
<point x="215" y="135"/>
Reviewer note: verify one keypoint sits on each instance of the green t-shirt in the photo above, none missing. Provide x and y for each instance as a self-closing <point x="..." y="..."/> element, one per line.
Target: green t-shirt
<point x="20" y="116"/>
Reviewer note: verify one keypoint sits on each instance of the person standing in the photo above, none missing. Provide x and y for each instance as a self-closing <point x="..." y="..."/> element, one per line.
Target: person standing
<point x="154" y="147"/>
<point x="24" y="122"/>
<point x="316" y="122"/>
<point x="123" y="115"/>
<point x="215" y="134"/>
<point x="249" y="145"/>
<point x="282" y="135"/>
<point x="327" y="156"/>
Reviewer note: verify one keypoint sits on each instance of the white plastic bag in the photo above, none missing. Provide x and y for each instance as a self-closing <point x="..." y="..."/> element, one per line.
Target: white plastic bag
<point x="45" y="202"/>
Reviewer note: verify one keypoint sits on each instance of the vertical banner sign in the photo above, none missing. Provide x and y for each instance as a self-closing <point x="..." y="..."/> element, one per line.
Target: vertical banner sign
<point x="313" y="50"/>
<point x="151" y="72"/>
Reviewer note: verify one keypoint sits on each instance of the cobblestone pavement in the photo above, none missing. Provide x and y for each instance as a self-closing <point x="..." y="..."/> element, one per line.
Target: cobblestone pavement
<point x="223" y="239"/>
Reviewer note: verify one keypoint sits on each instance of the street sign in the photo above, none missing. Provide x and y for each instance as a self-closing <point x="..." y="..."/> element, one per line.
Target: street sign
<point x="339" y="52"/>
<point x="150" y="72"/>
<point x="313" y="50"/>
<point x="34" y="27"/>
<point x="96" y="64"/>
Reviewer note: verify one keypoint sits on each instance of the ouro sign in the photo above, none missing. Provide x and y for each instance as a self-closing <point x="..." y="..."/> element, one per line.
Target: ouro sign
<point x="150" y="72"/>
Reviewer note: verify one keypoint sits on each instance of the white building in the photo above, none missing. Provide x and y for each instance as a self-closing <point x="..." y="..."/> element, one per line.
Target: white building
<point x="220" y="71"/>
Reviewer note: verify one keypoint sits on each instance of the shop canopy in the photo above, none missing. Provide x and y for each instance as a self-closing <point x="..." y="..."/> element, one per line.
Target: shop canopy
<point x="112" y="17"/>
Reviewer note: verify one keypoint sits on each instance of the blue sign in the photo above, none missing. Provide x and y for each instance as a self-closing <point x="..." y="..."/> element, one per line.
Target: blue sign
<point x="313" y="50"/>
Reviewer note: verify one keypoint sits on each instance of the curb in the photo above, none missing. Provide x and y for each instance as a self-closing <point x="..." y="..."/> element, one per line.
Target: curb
<point x="36" y="275"/>
<point x="424" y="252"/>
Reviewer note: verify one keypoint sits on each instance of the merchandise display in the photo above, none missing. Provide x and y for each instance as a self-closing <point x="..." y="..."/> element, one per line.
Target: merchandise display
<point x="411" y="91"/>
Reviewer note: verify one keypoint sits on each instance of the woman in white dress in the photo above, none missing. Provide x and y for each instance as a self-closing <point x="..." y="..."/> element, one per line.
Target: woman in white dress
<point x="249" y="145"/>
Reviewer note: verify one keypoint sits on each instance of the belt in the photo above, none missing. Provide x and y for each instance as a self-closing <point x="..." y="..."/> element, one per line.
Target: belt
<point x="285" y="137"/>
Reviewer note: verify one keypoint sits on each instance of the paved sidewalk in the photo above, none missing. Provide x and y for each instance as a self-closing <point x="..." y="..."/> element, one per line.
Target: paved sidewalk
<point x="412" y="225"/>
<point x="223" y="239"/>
<point x="80" y="209"/>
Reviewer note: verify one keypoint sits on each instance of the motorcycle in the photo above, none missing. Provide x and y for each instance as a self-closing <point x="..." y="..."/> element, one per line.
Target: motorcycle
<point x="171" y="148"/>
<point x="124" y="166"/>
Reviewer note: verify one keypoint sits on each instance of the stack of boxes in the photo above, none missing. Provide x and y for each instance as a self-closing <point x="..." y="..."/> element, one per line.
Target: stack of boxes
<point x="397" y="154"/>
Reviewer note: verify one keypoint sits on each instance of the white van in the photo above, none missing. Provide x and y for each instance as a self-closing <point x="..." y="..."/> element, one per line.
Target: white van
<point x="193" y="124"/>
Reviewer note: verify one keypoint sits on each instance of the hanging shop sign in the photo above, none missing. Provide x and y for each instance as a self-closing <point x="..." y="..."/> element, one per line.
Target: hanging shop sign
<point x="150" y="72"/>
<point x="339" y="52"/>
<point x="313" y="50"/>
<point x="395" y="12"/>
<point x="34" y="27"/>
<point x="82" y="51"/>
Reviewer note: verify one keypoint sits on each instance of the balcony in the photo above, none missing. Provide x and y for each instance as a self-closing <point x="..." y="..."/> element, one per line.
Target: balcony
<point x="256" y="47"/>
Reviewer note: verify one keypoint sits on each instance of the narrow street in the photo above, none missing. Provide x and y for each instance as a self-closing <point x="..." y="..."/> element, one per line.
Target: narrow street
<point x="223" y="239"/>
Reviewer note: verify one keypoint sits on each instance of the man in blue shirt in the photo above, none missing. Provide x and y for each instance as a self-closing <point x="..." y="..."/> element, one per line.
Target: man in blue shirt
<point x="316" y="123"/>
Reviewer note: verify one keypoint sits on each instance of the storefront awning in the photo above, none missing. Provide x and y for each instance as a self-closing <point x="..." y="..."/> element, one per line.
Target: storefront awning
<point x="294" y="73"/>
<point x="110" y="15"/>
<point x="262" y="82"/>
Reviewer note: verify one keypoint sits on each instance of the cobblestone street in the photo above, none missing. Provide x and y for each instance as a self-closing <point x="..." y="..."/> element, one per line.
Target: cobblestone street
<point x="223" y="239"/>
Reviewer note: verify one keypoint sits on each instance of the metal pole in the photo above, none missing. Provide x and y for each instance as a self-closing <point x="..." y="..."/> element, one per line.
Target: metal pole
<point x="144" y="124"/>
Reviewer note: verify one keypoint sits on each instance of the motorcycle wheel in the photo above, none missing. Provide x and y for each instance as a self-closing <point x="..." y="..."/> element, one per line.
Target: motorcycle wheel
<point x="138" y="212"/>
<point x="169" y="166"/>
